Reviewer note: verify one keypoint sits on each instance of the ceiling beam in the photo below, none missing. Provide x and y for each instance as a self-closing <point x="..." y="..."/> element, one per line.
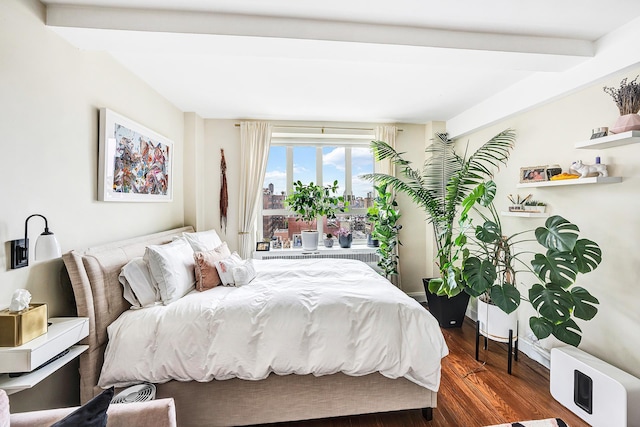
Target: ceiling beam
<point x="307" y="29"/>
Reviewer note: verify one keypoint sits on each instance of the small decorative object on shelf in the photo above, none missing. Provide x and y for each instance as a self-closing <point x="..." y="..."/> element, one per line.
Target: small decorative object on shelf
<point x="526" y="204"/>
<point x="563" y="176"/>
<point x="553" y="170"/>
<point x="584" y="170"/>
<point x="599" y="132"/>
<point x="627" y="98"/>
<point x="533" y="174"/>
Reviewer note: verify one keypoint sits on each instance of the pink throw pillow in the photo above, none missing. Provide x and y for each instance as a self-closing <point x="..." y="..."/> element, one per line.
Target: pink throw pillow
<point x="206" y="274"/>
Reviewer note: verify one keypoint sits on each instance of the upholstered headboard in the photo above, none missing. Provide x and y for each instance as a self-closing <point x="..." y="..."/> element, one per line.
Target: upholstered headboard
<point x="94" y="277"/>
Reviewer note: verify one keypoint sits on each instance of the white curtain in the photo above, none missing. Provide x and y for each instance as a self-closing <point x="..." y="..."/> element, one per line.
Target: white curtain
<point x="255" y="139"/>
<point x="387" y="134"/>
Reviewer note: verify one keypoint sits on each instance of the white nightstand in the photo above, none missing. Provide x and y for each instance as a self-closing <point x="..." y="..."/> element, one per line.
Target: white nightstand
<point x="31" y="358"/>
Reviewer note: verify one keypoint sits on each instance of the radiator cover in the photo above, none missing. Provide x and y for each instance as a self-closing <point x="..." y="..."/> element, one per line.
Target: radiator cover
<point x="599" y="393"/>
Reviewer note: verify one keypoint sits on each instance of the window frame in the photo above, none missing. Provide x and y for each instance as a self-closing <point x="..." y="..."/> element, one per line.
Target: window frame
<point x="319" y="141"/>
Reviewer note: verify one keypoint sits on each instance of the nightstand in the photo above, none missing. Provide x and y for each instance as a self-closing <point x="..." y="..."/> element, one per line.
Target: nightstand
<point x="25" y="366"/>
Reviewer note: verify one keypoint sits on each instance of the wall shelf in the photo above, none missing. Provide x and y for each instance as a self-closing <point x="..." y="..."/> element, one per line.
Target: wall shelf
<point x="577" y="181"/>
<point x="616" y="140"/>
<point x="526" y="214"/>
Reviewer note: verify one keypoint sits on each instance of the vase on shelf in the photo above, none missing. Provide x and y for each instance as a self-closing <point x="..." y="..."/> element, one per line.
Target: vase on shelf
<point x="345" y="240"/>
<point x="626" y="123"/>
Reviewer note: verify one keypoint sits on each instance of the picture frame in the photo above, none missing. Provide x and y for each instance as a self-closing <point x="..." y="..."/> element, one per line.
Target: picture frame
<point x="296" y="241"/>
<point x="263" y="246"/>
<point x="533" y="174"/>
<point x="135" y="163"/>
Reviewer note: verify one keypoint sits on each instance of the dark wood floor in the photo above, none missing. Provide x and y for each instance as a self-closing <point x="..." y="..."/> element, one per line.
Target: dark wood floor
<point x="472" y="394"/>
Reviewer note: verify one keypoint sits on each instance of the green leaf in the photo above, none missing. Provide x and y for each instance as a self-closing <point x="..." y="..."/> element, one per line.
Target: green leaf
<point x="583" y="303"/>
<point x="568" y="332"/>
<point x="552" y="302"/>
<point x="558" y="234"/>
<point x="480" y="275"/>
<point x="506" y="297"/>
<point x="489" y="232"/>
<point x="541" y="327"/>
<point x="556" y="267"/>
<point x="588" y="255"/>
<point x="489" y="194"/>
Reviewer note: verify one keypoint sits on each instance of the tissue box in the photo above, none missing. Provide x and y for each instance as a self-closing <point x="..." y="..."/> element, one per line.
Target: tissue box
<point x="19" y="328"/>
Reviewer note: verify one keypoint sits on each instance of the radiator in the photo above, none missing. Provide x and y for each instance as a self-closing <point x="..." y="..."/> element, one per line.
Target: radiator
<point x="599" y="393"/>
<point x="369" y="258"/>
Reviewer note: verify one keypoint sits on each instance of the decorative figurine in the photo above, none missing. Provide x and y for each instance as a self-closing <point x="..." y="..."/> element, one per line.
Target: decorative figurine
<point x="585" y="170"/>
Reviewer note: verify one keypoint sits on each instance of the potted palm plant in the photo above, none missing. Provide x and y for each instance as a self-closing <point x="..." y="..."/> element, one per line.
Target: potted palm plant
<point x="490" y="270"/>
<point x="439" y="188"/>
<point x="311" y="201"/>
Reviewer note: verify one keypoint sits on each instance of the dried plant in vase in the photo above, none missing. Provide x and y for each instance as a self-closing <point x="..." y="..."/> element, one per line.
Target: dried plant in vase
<point x="627" y="98"/>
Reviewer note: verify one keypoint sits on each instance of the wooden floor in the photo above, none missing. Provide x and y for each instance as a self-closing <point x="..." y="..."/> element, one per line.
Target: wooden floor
<point x="471" y="394"/>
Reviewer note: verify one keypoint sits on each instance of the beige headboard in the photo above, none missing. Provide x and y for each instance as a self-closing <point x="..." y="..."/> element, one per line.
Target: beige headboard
<point x="94" y="277"/>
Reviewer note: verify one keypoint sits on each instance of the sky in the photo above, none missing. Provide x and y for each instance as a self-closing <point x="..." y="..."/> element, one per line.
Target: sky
<point x="304" y="167"/>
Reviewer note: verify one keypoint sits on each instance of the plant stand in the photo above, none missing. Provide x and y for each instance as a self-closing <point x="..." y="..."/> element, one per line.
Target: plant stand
<point x="511" y="344"/>
<point x="496" y="325"/>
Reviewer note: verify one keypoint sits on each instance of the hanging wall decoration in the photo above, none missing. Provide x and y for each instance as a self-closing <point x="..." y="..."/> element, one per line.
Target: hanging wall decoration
<point x="224" y="196"/>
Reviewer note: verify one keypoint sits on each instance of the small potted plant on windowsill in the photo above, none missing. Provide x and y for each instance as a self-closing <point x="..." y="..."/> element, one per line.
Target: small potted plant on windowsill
<point x="311" y="201"/>
<point x="344" y="237"/>
<point x="328" y="240"/>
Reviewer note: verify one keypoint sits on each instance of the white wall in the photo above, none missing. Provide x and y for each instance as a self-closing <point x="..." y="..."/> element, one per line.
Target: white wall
<point x="607" y="214"/>
<point x="50" y="94"/>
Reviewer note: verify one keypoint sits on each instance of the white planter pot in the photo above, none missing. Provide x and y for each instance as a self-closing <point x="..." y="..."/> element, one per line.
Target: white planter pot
<point x="495" y="323"/>
<point x="309" y="240"/>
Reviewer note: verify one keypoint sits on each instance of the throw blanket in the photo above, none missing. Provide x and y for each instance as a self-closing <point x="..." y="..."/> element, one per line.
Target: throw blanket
<point x="315" y="316"/>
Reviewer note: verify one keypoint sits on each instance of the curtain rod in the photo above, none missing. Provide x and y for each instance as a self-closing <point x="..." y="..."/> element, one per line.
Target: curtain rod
<point x="319" y="127"/>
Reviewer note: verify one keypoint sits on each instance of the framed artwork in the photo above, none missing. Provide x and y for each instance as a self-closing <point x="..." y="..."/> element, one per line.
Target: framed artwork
<point x="135" y="163"/>
<point x="262" y="246"/>
<point x="533" y="174"/>
<point x="297" y="240"/>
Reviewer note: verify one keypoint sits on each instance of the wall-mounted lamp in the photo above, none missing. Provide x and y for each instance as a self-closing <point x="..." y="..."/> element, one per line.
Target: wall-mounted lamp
<point x="47" y="246"/>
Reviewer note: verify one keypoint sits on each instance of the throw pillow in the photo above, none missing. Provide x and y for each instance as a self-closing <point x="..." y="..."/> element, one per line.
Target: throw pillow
<point x="203" y="240"/>
<point x="172" y="267"/>
<point x="225" y="268"/>
<point x="243" y="273"/>
<point x="91" y="414"/>
<point x="4" y="409"/>
<point x="206" y="273"/>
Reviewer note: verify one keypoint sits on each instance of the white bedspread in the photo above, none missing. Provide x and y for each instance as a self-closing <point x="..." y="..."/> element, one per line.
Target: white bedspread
<point x="314" y="316"/>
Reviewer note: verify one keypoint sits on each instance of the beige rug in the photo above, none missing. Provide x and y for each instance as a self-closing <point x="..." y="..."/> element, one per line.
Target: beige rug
<point x="549" y="422"/>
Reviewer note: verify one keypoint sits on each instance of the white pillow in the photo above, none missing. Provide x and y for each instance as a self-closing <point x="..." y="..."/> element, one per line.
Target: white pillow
<point x="139" y="287"/>
<point x="225" y="268"/>
<point x="243" y="273"/>
<point x="172" y="267"/>
<point x="203" y="240"/>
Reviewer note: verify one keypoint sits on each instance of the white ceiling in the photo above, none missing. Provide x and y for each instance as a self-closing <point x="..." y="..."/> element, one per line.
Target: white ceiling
<point x="468" y="62"/>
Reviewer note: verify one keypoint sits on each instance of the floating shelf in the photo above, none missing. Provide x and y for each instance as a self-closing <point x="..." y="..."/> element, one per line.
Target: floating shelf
<point x="526" y="214"/>
<point x="576" y="181"/>
<point x="616" y="140"/>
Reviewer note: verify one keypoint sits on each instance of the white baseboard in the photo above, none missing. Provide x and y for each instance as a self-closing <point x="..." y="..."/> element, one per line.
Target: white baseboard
<point x="418" y="296"/>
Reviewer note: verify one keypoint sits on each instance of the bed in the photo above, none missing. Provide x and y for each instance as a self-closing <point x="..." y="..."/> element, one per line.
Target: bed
<point x="94" y="277"/>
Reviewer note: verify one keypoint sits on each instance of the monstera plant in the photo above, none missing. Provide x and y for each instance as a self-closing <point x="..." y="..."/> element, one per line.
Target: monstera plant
<point x="490" y="270"/>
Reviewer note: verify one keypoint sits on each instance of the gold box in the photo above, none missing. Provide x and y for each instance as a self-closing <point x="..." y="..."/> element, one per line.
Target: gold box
<point x="23" y="326"/>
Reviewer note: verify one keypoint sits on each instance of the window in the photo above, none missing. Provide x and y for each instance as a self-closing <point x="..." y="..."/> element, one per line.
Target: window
<point x="321" y="158"/>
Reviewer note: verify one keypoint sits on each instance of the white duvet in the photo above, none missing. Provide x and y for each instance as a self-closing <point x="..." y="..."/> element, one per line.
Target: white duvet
<point x="313" y="316"/>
